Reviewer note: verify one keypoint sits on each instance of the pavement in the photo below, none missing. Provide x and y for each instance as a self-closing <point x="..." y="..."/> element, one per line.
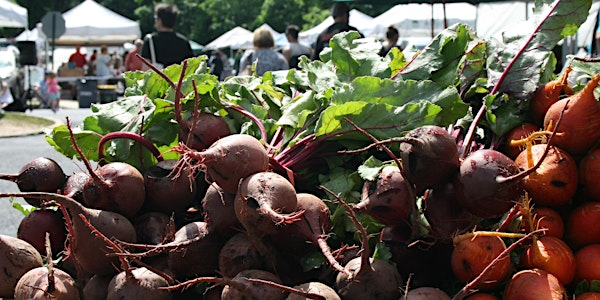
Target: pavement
<point x="16" y="151"/>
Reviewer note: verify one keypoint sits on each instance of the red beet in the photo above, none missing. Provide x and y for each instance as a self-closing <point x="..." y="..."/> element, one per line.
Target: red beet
<point x="39" y="175"/>
<point x="228" y="160"/>
<point x="116" y="187"/>
<point x="445" y="216"/>
<point x="151" y="227"/>
<point x="365" y="277"/>
<point x="202" y="131"/>
<point x="238" y="254"/>
<point x="88" y="249"/>
<point x="264" y="202"/>
<point x="312" y="228"/>
<point x="46" y="282"/>
<point x="139" y="283"/>
<point x="389" y="199"/>
<point x="218" y="211"/>
<point x="166" y="192"/>
<point x="429" y="155"/>
<point x="198" y="253"/>
<point x="36" y="224"/>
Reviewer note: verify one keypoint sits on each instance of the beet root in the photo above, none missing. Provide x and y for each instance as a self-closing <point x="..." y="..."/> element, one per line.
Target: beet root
<point x="141" y="283"/>
<point x="46" y="283"/>
<point x="318" y="288"/>
<point x="17" y="259"/>
<point x="218" y="211"/>
<point x="39" y="175"/>
<point x="238" y="254"/>
<point x="97" y="287"/>
<point x="116" y="187"/>
<point x="151" y="227"/>
<point x="445" y="216"/>
<point x="389" y="199"/>
<point x="204" y="130"/>
<point x="241" y="288"/>
<point x="380" y="281"/>
<point x="36" y="224"/>
<point x="199" y="255"/>
<point x="429" y="156"/>
<point x="477" y="186"/>
<point x="264" y="202"/>
<point x="167" y="193"/>
<point x="228" y="160"/>
<point x="88" y="249"/>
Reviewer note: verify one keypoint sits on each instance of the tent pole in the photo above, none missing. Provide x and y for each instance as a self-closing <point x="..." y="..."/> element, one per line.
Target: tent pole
<point x="432" y="4"/>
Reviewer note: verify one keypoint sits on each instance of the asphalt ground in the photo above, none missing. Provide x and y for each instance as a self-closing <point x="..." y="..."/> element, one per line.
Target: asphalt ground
<point x="16" y="151"/>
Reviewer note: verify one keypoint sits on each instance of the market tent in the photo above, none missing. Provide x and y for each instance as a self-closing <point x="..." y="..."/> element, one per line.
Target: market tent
<point x="12" y="15"/>
<point x="90" y="23"/>
<point x="196" y="47"/>
<point x="506" y="14"/>
<point x="421" y="20"/>
<point x="512" y="16"/>
<point x="363" y="22"/>
<point x="234" y="38"/>
<point x="35" y="34"/>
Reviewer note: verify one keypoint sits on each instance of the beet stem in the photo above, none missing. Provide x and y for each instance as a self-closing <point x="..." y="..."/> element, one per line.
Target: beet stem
<point x="127" y="135"/>
<point x="322" y="243"/>
<point x="9" y="177"/>
<point x="365" y="265"/>
<point x="86" y="162"/>
<point x="253" y="118"/>
<point x="178" y="96"/>
<point x="156" y="70"/>
<point x="195" y="115"/>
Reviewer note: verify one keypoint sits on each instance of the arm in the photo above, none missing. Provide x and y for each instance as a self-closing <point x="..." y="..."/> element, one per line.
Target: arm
<point x="287" y="52"/>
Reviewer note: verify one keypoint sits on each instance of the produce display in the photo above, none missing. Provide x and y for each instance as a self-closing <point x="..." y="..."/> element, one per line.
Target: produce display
<point x="467" y="172"/>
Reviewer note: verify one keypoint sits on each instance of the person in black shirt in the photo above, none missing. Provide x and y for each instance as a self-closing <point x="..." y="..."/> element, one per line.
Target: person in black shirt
<point x="170" y="47"/>
<point x="391" y="40"/>
<point x="341" y="16"/>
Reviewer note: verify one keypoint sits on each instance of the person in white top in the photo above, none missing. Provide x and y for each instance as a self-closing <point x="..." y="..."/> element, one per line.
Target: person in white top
<point x="295" y="49"/>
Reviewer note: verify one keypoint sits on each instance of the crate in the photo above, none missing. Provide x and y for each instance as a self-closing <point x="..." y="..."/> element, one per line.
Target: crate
<point x="107" y="93"/>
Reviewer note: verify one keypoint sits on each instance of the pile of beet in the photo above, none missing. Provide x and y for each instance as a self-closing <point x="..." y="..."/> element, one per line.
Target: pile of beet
<point x="226" y="221"/>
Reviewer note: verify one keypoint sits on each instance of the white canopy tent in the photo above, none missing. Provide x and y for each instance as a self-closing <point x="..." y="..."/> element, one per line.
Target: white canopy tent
<point x="234" y="38"/>
<point x="90" y="23"/>
<point x="366" y="24"/>
<point x="241" y="38"/>
<point x="12" y="15"/>
<point x="415" y="20"/>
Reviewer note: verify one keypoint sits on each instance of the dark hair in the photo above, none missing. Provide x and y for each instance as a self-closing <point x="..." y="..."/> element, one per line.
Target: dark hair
<point x="292" y="30"/>
<point x="167" y="13"/>
<point x="340" y="9"/>
<point x="391" y="32"/>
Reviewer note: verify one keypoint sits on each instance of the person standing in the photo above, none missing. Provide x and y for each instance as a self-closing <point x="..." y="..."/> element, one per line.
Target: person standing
<point x="78" y="58"/>
<point x="133" y="63"/>
<point x="295" y="49"/>
<point x="103" y="62"/>
<point x="216" y="63"/>
<point x="341" y="18"/>
<point x="53" y="91"/>
<point x="268" y="59"/>
<point x="391" y="40"/>
<point x="169" y="46"/>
